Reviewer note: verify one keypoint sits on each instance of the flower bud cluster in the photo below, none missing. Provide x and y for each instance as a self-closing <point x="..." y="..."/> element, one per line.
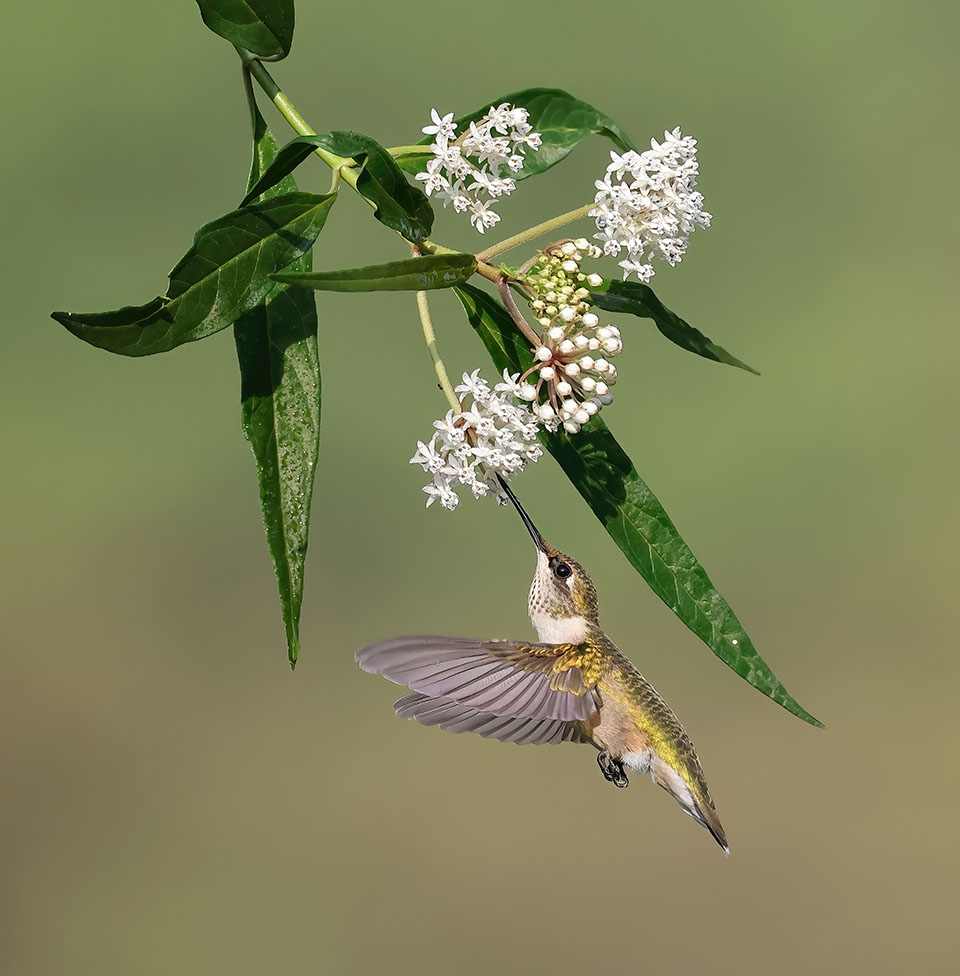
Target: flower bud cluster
<point x="493" y="436"/>
<point x="646" y="204"/>
<point x="472" y="168"/>
<point x="572" y="374"/>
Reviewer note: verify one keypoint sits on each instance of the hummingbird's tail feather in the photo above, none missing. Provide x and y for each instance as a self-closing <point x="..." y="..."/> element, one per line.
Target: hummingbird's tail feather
<point x="701" y="809"/>
<point x="452" y="717"/>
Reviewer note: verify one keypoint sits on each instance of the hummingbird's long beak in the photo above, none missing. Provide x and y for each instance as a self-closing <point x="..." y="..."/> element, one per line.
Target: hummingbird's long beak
<point x="531" y="528"/>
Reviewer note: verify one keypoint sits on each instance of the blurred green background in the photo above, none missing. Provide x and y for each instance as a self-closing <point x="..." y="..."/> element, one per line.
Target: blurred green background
<point x="177" y="801"/>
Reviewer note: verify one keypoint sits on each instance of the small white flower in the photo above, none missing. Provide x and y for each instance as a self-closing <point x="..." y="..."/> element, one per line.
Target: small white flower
<point x="442" y="128"/>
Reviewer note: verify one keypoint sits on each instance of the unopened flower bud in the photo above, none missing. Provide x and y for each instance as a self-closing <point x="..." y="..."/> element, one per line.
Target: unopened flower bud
<point x="603" y="333"/>
<point x="567" y="347"/>
<point x="528" y="391"/>
<point x="586" y="362"/>
<point x="569" y="266"/>
<point x="606" y="399"/>
<point x="543" y="354"/>
<point x="569" y="407"/>
<point x="581" y="243"/>
<point x="594" y="280"/>
<point x="590" y="320"/>
<point x="581" y="341"/>
<point x="591" y="406"/>
<point x="581" y="416"/>
<point x="563" y="388"/>
<point x="545" y="412"/>
<point x="571" y="369"/>
<point x="568" y="313"/>
<point x="601" y="365"/>
<point x="547" y="373"/>
<point x="569" y="248"/>
<point x="571" y="426"/>
<point x="588" y="383"/>
<point x="556" y="333"/>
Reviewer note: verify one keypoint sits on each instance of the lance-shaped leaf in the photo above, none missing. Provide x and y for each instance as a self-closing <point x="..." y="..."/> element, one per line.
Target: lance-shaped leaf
<point x="563" y="121"/>
<point x="630" y="512"/>
<point x="402" y="207"/>
<point x="222" y="276"/>
<point x="413" y="274"/>
<point x="280" y="409"/>
<point x="639" y="299"/>
<point x="264" y="27"/>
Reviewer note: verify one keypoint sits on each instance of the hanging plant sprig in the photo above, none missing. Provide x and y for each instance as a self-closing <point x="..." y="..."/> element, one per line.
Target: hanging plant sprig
<point x="543" y="322"/>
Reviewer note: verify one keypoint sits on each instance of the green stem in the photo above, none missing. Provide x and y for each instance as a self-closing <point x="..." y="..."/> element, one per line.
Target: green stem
<point x="430" y="337"/>
<point x="339" y="164"/>
<point x="528" y="235"/>
<point x="417" y="150"/>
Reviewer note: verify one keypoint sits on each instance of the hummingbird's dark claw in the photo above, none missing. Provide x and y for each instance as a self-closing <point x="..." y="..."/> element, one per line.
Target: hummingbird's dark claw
<point x="612" y="769"/>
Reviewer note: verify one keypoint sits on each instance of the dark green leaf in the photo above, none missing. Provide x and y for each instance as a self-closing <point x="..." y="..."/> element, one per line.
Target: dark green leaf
<point x="639" y="299"/>
<point x="222" y="276"/>
<point x="264" y="27"/>
<point x="413" y="274"/>
<point x="280" y="409"/>
<point x="632" y="515"/>
<point x="563" y="120"/>
<point x="402" y="207"/>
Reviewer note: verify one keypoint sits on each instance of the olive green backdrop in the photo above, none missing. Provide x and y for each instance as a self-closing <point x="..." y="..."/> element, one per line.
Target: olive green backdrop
<point x="176" y="801"/>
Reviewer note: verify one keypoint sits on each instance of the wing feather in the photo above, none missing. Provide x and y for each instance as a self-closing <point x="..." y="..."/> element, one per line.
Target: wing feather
<point x="499" y="678"/>
<point x="453" y="717"/>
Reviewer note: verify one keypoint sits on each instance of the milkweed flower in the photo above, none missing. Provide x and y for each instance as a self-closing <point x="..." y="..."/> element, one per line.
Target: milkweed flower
<point x="571" y="377"/>
<point x="491" y="436"/>
<point x="473" y="168"/>
<point x="646" y="204"/>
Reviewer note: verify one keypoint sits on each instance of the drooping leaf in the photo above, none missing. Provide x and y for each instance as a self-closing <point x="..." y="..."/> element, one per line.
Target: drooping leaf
<point x="563" y="120"/>
<point x="222" y="276"/>
<point x="413" y="274"/>
<point x="632" y="515"/>
<point x="402" y="207"/>
<point x="263" y="27"/>
<point x="636" y="298"/>
<point x="280" y="408"/>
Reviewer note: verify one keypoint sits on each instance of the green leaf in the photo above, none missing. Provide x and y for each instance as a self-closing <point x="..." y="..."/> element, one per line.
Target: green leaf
<point x="632" y="515"/>
<point x="412" y="274"/>
<point x="563" y="120"/>
<point x="222" y="276"/>
<point x="402" y="207"/>
<point x="639" y="299"/>
<point x="280" y="409"/>
<point x="263" y="27"/>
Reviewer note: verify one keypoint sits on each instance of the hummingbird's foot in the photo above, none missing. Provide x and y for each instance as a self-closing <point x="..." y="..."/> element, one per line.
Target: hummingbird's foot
<point x="612" y="769"/>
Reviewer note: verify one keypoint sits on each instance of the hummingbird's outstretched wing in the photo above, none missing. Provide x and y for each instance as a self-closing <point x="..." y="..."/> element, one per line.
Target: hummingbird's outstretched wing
<point x="507" y="679"/>
<point x="451" y="717"/>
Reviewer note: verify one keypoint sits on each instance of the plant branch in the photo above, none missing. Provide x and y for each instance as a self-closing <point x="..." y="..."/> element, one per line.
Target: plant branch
<point x="430" y="337"/>
<point x="536" y="231"/>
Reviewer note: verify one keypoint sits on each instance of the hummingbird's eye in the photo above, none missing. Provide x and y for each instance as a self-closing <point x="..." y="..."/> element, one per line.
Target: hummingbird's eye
<point x="562" y="571"/>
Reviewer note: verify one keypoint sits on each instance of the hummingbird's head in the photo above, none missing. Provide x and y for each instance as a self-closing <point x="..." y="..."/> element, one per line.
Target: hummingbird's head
<point x="563" y="600"/>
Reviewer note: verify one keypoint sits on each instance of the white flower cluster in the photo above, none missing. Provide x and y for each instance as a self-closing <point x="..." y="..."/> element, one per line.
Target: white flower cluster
<point x="652" y="213"/>
<point x="493" y="436"/>
<point x="574" y="374"/>
<point x="496" y="143"/>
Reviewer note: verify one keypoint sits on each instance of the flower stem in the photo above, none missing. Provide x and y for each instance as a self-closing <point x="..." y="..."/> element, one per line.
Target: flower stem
<point x="503" y="286"/>
<point x="417" y="150"/>
<point x="339" y="164"/>
<point x="528" y="235"/>
<point x="430" y="337"/>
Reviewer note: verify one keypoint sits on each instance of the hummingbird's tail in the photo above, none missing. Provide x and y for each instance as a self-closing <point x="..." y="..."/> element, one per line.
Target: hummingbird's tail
<point x="701" y="809"/>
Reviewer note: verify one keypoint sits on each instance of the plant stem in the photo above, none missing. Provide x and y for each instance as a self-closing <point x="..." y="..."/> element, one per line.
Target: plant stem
<point x="528" y="235"/>
<point x="409" y="150"/>
<point x="503" y="286"/>
<point x="339" y="164"/>
<point x="423" y="306"/>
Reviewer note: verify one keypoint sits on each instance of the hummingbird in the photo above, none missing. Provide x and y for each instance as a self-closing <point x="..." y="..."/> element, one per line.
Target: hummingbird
<point x="575" y="685"/>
